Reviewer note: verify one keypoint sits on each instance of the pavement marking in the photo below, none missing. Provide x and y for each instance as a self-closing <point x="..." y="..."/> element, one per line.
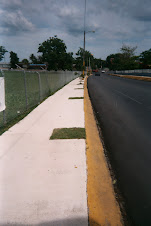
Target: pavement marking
<point x="102" y="205"/>
<point x="128" y="96"/>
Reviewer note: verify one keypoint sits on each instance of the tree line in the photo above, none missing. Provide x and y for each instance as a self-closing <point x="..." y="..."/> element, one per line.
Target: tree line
<point x="53" y="53"/>
<point x="127" y="60"/>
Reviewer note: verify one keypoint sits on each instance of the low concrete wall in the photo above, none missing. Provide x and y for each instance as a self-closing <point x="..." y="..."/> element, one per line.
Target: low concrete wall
<point x="136" y="77"/>
<point x="133" y="71"/>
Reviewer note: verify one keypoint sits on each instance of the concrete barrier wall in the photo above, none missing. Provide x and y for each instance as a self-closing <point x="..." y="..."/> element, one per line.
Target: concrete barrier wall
<point x="133" y="71"/>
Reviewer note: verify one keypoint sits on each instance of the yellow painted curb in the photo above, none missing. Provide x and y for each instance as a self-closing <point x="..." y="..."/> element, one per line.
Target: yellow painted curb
<point x="102" y="205"/>
<point x="142" y="78"/>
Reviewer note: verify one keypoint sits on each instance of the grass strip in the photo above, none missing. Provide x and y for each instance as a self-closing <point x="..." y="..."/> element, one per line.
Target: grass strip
<point x="79" y="88"/>
<point x="74" y="98"/>
<point x="68" y="133"/>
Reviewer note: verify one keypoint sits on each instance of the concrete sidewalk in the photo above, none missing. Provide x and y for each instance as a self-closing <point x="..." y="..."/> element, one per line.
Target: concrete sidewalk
<point x="42" y="181"/>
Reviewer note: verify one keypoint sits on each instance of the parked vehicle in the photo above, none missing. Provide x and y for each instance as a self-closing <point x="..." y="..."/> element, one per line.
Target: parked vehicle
<point x="95" y="70"/>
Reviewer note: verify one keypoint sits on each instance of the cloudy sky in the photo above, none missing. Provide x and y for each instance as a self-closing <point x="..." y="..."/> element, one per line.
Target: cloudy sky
<point x="26" y="23"/>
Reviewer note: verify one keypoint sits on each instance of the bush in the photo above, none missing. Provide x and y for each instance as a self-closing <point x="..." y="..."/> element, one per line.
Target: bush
<point x="76" y="73"/>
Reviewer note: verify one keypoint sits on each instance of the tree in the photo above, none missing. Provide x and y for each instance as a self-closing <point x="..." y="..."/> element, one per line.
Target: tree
<point x="33" y="59"/>
<point x="128" y="59"/>
<point x="13" y="59"/>
<point x="145" y="58"/>
<point x="79" y="59"/>
<point x="94" y="62"/>
<point x="54" y="53"/>
<point x="2" y="52"/>
<point x="98" y="63"/>
<point x="125" y="60"/>
<point x="113" y="62"/>
<point x="128" y="51"/>
<point x="25" y="61"/>
<point x="69" y="61"/>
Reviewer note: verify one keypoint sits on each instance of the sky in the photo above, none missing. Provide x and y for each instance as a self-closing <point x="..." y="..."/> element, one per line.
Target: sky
<point x="24" y="24"/>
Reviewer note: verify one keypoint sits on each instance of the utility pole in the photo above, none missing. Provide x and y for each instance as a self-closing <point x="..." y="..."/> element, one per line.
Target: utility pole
<point x="84" y="41"/>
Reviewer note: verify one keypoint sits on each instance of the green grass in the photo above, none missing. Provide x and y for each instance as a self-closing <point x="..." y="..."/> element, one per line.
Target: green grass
<point x="68" y="133"/>
<point x="79" y="88"/>
<point x="15" y="93"/>
<point x="15" y="98"/>
<point x="74" y="98"/>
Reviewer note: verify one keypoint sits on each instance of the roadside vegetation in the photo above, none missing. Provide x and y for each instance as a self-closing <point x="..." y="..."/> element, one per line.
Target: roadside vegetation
<point x="74" y="98"/>
<point x="53" y="53"/>
<point x="127" y="60"/>
<point x="68" y="133"/>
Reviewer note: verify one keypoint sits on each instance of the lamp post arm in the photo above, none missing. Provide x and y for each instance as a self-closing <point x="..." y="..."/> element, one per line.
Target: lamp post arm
<point x="89" y="32"/>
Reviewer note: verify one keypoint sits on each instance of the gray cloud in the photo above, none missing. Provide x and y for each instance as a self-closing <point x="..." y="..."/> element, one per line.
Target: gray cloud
<point x="15" y="22"/>
<point x="137" y="9"/>
<point x="10" y="4"/>
<point x="115" y="22"/>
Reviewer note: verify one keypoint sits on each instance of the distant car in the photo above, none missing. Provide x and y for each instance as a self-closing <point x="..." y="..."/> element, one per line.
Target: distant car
<point x="103" y="71"/>
<point x="95" y="70"/>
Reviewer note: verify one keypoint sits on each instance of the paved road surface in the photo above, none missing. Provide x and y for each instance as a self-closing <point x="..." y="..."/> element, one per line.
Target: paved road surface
<point x="123" y="109"/>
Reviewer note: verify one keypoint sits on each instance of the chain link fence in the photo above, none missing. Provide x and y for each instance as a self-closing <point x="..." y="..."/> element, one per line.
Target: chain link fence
<point x="26" y="89"/>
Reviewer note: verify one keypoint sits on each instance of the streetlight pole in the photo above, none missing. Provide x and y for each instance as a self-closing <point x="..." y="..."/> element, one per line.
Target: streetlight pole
<point x="85" y="32"/>
<point x="84" y="40"/>
<point x="84" y="55"/>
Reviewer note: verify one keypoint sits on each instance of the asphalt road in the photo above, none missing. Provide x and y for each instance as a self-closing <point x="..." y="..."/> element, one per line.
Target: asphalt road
<point x="123" y="109"/>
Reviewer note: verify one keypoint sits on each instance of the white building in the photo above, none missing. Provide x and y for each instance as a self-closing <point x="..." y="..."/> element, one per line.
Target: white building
<point x="4" y="65"/>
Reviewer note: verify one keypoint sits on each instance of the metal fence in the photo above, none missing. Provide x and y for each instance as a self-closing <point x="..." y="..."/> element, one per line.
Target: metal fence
<point x="26" y="89"/>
